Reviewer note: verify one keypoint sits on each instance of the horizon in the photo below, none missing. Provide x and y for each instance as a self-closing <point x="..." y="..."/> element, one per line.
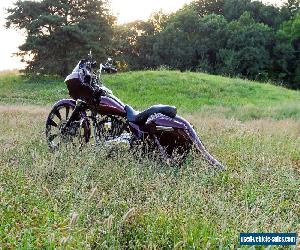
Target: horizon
<point x="125" y="11"/>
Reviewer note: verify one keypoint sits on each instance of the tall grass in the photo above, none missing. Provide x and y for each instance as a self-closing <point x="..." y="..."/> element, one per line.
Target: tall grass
<point x="89" y="200"/>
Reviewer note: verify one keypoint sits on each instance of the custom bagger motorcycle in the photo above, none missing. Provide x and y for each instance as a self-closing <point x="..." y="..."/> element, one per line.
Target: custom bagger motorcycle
<point x="94" y="107"/>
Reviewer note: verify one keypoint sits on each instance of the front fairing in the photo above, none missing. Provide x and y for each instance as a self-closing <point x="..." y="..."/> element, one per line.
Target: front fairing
<point x="80" y="71"/>
<point x="75" y="74"/>
<point x="76" y="69"/>
<point x="109" y="104"/>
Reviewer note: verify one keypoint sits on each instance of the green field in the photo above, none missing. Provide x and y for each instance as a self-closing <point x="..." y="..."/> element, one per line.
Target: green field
<point x="89" y="200"/>
<point x="190" y="92"/>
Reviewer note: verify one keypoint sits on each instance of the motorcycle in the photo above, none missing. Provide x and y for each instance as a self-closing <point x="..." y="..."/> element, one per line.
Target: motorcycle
<point x="156" y="129"/>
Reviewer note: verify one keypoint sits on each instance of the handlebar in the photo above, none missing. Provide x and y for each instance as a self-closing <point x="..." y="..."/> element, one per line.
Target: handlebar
<point x="86" y="66"/>
<point x="108" y="68"/>
<point x="92" y="64"/>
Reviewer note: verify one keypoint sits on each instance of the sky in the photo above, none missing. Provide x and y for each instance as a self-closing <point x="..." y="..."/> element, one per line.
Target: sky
<point x="125" y="10"/>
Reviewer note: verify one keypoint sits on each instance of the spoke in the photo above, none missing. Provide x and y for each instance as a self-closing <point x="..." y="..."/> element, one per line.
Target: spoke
<point x="52" y="123"/>
<point x="57" y="114"/>
<point x="67" y="112"/>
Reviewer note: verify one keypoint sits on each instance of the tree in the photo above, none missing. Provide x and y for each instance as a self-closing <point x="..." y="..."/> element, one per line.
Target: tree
<point x="213" y="34"/>
<point x="291" y="7"/>
<point x="207" y="7"/>
<point x="260" y="12"/>
<point x="190" y="42"/>
<point x="134" y="42"/>
<point x="286" y="59"/>
<point x="247" y="51"/>
<point x="134" y="45"/>
<point x="60" y="32"/>
<point x="175" y="45"/>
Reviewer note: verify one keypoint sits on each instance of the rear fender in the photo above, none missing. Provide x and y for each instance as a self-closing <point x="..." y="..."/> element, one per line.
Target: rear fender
<point x="198" y="144"/>
<point x="170" y="131"/>
<point x="189" y="129"/>
<point x="164" y="121"/>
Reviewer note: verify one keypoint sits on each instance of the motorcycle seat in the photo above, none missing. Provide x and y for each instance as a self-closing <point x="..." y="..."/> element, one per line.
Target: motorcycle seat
<point x="141" y="117"/>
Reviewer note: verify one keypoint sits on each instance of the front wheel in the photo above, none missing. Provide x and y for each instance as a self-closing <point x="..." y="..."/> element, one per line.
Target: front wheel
<point x="57" y="134"/>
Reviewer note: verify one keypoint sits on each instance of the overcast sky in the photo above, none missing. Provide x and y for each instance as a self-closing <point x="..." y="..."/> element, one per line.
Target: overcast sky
<point x="125" y="10"/>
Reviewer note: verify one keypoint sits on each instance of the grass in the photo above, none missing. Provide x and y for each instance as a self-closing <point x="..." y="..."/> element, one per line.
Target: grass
<point x="86" y="200"/>
<point x="190" y="92"/>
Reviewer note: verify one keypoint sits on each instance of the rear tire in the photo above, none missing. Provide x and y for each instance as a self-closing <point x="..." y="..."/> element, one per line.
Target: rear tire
<point x="108" y="127"/>
<point x="179" y="155"/>
<point x="151" y="148"/>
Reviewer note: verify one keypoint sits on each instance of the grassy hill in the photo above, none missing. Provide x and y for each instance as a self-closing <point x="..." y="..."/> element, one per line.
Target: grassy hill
<point x="190" y="92"/>
<point x="88" y="199"/>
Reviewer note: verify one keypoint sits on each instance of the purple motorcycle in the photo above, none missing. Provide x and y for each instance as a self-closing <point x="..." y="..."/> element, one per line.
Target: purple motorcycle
<point x="94" y="107"/>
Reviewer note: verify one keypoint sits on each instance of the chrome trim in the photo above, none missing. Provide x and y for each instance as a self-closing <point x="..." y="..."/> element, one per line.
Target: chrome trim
<point x="163" y="128"/>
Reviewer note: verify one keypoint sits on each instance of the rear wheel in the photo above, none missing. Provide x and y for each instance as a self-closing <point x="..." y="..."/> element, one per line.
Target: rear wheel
<point x="152" y="149"/>
<point x="172" y="152"/>
<point x="57" y="134"/>
<point x="108" y="127"/>
<point x="179" y="155"/>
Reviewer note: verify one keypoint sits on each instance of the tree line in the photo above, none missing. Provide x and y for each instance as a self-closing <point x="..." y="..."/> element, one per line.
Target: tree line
<point x="229" y="37"/>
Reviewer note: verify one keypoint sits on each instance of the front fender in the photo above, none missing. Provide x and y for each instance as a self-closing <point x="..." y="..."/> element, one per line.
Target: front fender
<point x="63" y="102"/>
<point x="68" y="102"/>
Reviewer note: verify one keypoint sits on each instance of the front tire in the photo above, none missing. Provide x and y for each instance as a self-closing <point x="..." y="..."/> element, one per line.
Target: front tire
<point x="77" y="134"/>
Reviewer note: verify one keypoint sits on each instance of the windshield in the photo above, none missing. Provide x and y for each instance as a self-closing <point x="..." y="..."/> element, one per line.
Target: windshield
<point x="76" y="69"/>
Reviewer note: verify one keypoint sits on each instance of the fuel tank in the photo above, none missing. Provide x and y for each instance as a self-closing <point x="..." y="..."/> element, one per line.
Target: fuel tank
<point x="109" y="106"/>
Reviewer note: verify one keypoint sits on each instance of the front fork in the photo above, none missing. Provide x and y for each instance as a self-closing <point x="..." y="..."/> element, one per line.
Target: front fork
<point x="80" y="106"/>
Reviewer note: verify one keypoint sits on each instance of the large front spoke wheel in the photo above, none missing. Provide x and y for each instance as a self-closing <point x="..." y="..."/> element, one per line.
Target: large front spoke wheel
<point x="58" y="134"/>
